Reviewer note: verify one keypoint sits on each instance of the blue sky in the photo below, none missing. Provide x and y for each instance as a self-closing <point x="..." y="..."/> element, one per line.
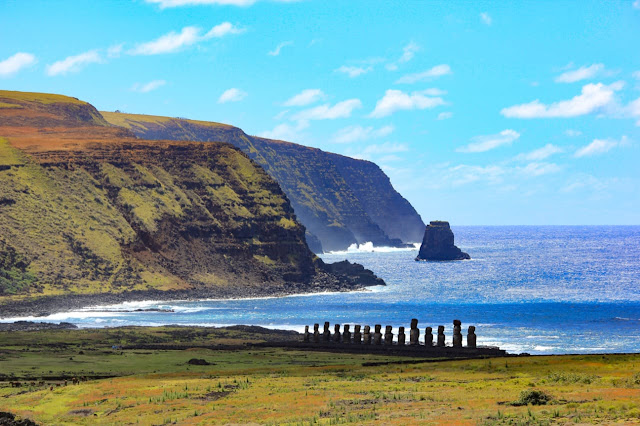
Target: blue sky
<point x="480" y="112"/>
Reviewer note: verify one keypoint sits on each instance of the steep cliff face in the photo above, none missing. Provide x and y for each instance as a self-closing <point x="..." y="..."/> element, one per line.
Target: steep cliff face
<point x="90" y="209"/>
<point x="340" y="200"/>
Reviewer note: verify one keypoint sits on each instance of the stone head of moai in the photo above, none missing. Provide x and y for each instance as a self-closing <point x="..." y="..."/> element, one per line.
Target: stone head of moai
<point x="472" y="329"/>
<point x="326" y="326"/>
<point x="306" y="328"/>
<point x="441" y="329"/>
<point x="441" y="336"/>
<point x="356" y="328"/>
<point x="336" y="328"/>
<point x="367" y="329"/>
<point x="388" y="329"/>
<point x="428" y="330"/>
<point x="378" y="327"/>
<point x="457" y="323"/>
<point x="414" y="324"/>
<point x="316" y="327"/>
<point x="346" y="328"/>
<point x="471" y="337"/>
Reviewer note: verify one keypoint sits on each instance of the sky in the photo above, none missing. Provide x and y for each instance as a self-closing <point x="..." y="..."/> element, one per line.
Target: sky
<point x="481" y="113"/>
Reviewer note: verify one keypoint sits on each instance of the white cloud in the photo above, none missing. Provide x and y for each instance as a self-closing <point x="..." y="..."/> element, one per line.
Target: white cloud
<point x="486" y="18"/>
<point x="464" y="174"/>
<point x="396" y="100"/>
<point x="600" y="146"/>
<point x="445" y="115"/>
<point x="327" y="112"/>
<point x="636" y="4"/>
<point x="386" y="148"/>
<point x="276" y="51"/>
<point x="358" y="133"/>
<point x="148" y="87"/>
<point x="115" y="50"/>
<point x="633" y="109"/>
<point x="572" y="133"/>
<point x="232" y="95"/>
<point x="15" y="63"/>
<point x="437" y="71"/>
<point x="172" y="42"/>
<point x="286" y="131"/>
<point x="593" y="98"/>
<point x="541" y="153"/>
<point x="306" y="97"/>
<point x="74" y="63"/>
<point x="353" y="71"/>
<point x="408" y="53"/>
<point x="582" y="73"/>
<point x="539" y="169"/>
<point x="489" y="142"/>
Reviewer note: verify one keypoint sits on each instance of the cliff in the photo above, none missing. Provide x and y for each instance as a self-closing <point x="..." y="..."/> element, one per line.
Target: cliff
<point x="438" y="243"/>
<point x="86" y="208"/>
<point x="340" y="200"/>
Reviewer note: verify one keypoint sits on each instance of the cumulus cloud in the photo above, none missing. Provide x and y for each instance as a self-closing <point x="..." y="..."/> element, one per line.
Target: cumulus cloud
<point x="435" y="72"/>
<point x="173" y="41"/>
<point x="306" y="97"/>
<point x="489" y="142"/>
<point x="593" y="98"/>
<point x="276" y="51"/>
<point x="486" y="18"/>
<point x="353" y="71"/>
<point x="148" y="87"/>
<point x="358" y="133"/>
<point x="327" y="112"/>
<point x="232" y="95"/>
<point x="74" y="63"/>
<point x="541" y="153"/>
<point x="13" y="64"/>
<point x="396" y="100"/>
<point x="600" y="146"/>
<point x="582" y="73"/>
<point x="445" y="115"/>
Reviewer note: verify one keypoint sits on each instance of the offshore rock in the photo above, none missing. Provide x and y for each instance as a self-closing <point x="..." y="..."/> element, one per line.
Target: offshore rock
<point x="437" y="243"/>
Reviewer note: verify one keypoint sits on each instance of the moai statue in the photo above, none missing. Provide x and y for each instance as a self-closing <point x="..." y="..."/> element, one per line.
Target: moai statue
<point x="346" y="335"/>
<point x="414" y="333"/>
<point x="316" y="333"/>
<point x="401" y="336"/>
<point x="336" y="333"/>
<point x="441" y="336"/>
<point x="471" y="337"/>
<point x="326" y="334"/>
<point x="366" y="337"/>
<point x="306" y="334"/>
<point x="377" y="336"/>
<point x="357" y="335"/>
<point x="428" y="337"/>
<point x="388" y="335"/>
<point x="457" y="334"/>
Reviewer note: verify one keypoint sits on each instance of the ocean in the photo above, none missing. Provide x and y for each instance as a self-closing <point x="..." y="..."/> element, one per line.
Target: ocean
<point x="534" y="289"/>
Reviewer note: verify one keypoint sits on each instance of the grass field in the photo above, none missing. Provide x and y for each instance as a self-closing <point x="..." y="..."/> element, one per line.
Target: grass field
<point x="147" y="379"/>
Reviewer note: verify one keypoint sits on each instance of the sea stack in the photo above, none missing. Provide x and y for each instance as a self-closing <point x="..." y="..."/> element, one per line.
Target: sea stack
<point x="437" y="243"/>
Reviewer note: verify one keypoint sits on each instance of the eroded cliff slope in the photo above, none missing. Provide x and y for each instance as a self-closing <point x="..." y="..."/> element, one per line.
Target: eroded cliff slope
<point x="340" y="200"/>
<point x="88" y="208"/>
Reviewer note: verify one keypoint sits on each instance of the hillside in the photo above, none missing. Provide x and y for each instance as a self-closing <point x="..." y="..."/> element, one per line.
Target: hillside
<point x="86" y="208"/>
<point x="340" y="200"/>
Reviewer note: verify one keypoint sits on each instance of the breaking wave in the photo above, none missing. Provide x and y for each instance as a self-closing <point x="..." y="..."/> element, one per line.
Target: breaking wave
<point x="368" y="247"/>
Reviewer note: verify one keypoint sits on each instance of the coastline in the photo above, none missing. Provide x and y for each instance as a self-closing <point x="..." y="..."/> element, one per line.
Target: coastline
<point x="47" y="305"/>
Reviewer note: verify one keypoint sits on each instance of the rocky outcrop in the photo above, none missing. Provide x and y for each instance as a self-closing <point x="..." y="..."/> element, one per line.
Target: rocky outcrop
<point x="91" y="210"/>
<point x="340" y="200"/>
<point x="438" y="243"/>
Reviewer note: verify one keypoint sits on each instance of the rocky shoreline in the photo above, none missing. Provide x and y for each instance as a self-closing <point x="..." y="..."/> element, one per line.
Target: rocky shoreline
<point x="47" y="305"/>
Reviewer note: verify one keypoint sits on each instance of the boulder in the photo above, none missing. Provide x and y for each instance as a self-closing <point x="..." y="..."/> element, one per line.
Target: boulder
<point x="437" y="243"/>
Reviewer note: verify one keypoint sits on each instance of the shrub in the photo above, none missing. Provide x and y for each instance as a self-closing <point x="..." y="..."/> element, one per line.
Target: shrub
<point x="532" y="397"/>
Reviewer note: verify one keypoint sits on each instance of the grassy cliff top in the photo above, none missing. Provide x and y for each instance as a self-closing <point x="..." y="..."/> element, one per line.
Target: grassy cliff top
<point x="41" y="98"/>
<point x="130" y="121"/>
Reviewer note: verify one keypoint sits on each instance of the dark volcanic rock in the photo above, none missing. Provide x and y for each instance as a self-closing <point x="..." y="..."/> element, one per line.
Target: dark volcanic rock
<point x="437" y="243"/>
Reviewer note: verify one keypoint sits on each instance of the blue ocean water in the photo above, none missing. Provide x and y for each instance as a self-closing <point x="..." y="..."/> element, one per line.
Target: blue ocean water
<point x="551" y="289"/>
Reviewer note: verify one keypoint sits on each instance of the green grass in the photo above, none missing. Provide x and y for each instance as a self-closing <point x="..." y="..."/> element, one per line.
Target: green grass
<point x="41" y="98"/>
<point x="279" y="386"/>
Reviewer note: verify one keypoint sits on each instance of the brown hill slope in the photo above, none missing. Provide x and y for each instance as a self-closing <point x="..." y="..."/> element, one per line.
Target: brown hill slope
<point x="86" y="208"/>
<point x="340" y="200"/>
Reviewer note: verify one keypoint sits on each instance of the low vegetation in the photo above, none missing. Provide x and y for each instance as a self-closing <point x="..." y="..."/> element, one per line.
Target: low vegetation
<point x="148" y="376"/>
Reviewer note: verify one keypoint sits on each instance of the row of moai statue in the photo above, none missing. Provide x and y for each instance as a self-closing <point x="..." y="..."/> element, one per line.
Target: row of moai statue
<point x="377" y="338"/>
